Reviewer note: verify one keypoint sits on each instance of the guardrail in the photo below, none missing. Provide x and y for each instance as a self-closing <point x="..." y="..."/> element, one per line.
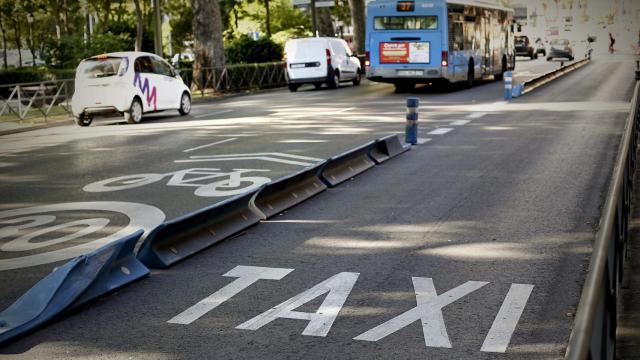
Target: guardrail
<point x="236" y="77"/>
<point x="534" y="83"/>
<point x="594" y="331"/>
<point x="36" y="100"/>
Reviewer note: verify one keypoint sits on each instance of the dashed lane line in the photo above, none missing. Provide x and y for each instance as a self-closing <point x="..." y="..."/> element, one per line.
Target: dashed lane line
<point x="440" y="131"/>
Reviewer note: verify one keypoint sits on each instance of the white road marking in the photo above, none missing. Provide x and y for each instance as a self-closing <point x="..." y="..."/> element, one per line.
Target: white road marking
<point x="505" y="322"/>
<point x="422" y="141"/>
<point x="273" y="157"/>
<point x="476" y="115"/>
<point x="298" y="141"/>
<point x="208" y="145"/>
<point x="338" y="286"/>
<point x="247" y="275"/>
<point x="459" y="122"/>
<point x="440" y="131"/>
<point x="214" y="113"/>
<point x="428" y="311"/>
<point x="140" y="216"/>
<point x="312" y="94"/>
<point x="343" y="110"/>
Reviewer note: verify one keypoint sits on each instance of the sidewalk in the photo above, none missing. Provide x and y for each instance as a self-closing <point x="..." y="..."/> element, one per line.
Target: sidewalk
<point x="628" y="331"/>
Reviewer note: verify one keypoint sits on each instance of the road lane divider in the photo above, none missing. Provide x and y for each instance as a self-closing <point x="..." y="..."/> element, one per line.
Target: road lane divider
<point x="386" y="148"/>
<point x="345" y="166"/>
<point x="77" y="282"/>
<point x="532" y="84"/>
<point x="287" y="192"/>
<point x="182" y="237"/>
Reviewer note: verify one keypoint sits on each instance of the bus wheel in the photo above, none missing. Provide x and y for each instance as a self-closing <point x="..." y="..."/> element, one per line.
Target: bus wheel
<point x="470" y="75"/>
<point x="403" y="87"/>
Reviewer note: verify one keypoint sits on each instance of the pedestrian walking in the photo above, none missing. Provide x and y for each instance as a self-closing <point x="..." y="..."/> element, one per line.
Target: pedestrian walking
<point x="612" y="42"/>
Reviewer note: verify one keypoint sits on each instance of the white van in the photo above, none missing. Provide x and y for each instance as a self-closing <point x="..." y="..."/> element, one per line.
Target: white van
<point x="128" y="83"/>
<point x="320" y="60"/>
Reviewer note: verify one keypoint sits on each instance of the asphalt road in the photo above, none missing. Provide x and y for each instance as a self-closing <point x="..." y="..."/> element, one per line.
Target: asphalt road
<point x="497" y="205"/>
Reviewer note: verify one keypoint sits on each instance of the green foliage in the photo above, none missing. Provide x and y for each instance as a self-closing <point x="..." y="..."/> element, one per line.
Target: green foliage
<point x="245" y="50"/>
<point x="15" y="76"/>
<point x="181" y="23"/>
<point x="283" y="17"/>
<point x="281" y="37"/>
<point x="68" y="52"/>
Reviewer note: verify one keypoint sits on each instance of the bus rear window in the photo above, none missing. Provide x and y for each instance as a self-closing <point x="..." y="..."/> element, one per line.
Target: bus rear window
<point x="99" y="67"/>
<point x="405" y="23"/>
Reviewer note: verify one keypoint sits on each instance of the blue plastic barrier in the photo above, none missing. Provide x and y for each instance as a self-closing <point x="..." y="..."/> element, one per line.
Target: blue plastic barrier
<point x="282" y="194"/>
<point x="180" y="238"/>
<point x="76" y="282"/>
<point x="387" y="147"/>
<point x="342" y="167"/>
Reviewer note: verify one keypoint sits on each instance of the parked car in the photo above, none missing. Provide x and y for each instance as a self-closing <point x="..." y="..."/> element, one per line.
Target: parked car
<point x="560" y="48"/>
<point x="38" y="62"/>
<point x="320" y="60"/>
<point x="182" y="58"/>
<point x="525" y="48"/>
<point x="128" y="83"/>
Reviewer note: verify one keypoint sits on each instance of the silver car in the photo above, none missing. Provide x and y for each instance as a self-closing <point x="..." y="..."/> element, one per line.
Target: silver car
<point x="560" y="48"/>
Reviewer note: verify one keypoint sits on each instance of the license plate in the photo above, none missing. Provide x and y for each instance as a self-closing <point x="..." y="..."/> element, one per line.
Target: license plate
<point x="297" y="66"/>
<point x="410" y="72"/>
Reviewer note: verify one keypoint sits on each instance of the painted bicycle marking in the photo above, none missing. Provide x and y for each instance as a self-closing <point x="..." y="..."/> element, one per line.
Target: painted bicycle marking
<point x="12" y="222"/>
<point x="223" y="184"/>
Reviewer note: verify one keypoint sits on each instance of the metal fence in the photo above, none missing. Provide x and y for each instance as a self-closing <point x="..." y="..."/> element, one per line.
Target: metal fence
<point x="36" y="100"/>
<point x="236" y="77"/>
<point x="594" y="332"/>
<point x="42" y="100"/>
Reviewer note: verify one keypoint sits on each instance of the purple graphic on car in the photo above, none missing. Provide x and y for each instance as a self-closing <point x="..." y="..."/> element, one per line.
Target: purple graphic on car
<point x="149" y="92"/>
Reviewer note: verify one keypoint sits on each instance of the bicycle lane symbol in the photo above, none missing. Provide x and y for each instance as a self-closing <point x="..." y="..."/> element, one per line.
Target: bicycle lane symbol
<point x="209" y="182"/>
<point x="21" y="226"/>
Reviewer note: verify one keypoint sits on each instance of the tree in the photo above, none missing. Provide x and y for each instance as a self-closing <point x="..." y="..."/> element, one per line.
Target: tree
<point x="140" y="25"/>
<point x="358" y="22"/>
<point x="207" y="33"/>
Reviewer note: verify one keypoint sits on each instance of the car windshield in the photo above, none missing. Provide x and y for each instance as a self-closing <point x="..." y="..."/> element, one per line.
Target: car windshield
<point x="405" y="22"/>
<point x="559" y="42"/>
<point x="99" y="67"/>
<point x="520" y="40"/>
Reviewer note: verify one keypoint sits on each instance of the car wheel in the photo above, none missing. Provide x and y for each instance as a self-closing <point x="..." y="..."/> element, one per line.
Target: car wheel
<point x="134" y="115"/>
<point x="293" y="87"/>
<point x="318" y="86"/>
<point x="83" y="120"/>
<point x="571" y="58"/>
<point x="549" y="58"/>
<point x="470" y="75"/>
<point x="185" y="104"/>
<point x="500" y="76"/>
<point x="334" y="83"/>
<point x="356" y="80"/>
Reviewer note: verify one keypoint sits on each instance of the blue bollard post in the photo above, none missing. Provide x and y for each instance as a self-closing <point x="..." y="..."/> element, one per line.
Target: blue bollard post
<point x="508" y="85"/>
<point x="411" y="129"/>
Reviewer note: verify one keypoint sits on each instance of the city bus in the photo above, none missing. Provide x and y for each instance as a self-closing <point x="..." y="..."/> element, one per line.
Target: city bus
<point x="411" y="42"/>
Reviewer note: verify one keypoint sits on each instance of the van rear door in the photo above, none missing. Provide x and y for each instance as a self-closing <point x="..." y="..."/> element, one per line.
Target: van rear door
<point x="306" y="58"/>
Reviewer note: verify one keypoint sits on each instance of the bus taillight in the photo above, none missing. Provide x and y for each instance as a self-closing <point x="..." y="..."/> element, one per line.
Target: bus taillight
<point x="367" y="59"/>
<point x="445" y="58"/>
<point x="328" y="56"/>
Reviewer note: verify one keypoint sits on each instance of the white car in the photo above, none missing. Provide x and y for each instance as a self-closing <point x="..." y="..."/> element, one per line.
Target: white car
<point x="320" y="60"/>
<point x="128" y="83"/>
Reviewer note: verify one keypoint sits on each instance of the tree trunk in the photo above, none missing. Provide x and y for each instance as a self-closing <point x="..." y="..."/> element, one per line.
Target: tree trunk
<point x="357" y="20"/>
<point x="325" y="25"/>
<point x="140" y="25"/>
<point x="4" y="44"/>
<point x="106" y="11"/>
<point x="208" y="46"/>
<point x="267" y="18"/>
<point x="16" y="31"/>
